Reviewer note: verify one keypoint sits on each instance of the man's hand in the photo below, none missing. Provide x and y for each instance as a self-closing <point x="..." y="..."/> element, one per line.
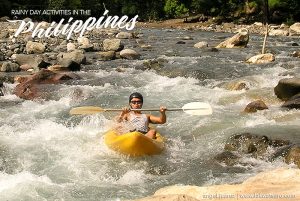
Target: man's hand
<point x="162" y="109"/>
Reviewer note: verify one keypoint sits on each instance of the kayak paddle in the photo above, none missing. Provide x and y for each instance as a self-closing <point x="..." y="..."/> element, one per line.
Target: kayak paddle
<point x="193" y="108"/>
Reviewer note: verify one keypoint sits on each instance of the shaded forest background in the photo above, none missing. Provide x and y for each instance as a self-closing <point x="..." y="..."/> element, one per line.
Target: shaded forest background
<point x="237" y="11"/>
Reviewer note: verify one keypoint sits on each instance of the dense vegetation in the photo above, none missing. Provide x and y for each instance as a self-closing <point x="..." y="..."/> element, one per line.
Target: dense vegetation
<point x="226" y="10"/>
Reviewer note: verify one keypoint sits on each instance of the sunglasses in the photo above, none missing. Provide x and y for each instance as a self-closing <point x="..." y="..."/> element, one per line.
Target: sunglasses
<point x="136" y="102"/>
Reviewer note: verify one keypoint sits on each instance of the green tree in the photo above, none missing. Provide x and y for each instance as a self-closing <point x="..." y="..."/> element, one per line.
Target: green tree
<point x="174" y="8"/>
<point x="285" y="10"/>
<point x="5" y="8"/>
<point x="73" y="4"/>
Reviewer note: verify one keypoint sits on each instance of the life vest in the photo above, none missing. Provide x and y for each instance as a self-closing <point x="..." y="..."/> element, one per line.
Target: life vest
<point x="139" y="122"/>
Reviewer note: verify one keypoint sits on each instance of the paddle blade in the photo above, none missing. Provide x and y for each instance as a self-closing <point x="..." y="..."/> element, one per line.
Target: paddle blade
<point x="86" y="110"/>
<point x="197" y="108"/>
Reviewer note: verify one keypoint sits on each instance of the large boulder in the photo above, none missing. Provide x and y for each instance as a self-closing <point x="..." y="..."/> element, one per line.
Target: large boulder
<point x="129" y="54"/>
<point x="255" y="105"/>
<point x="239" y="40"/>
<point x="247" y="143"/>
<point x="76" y="56"/>
<point x="261" y="58"/>
<point x="35" y="48"/>
<point x="274" y="183"/>
<point x="65" y="65"/>
<point x="35" y="86"/>
<point x="112" y="45"/>
<point x="71" y="47"/>
<point x="278" y="32"/>
<point x="84" y="43"/>
<point x="293" y="155"/>
<point x="227" y="157"/>
<point x="286" y="88"/>
<point x="9" y="66"/>
<point x="30" y="61"/>
<point x="295" y="29"/>
<point x="293" y="102"/>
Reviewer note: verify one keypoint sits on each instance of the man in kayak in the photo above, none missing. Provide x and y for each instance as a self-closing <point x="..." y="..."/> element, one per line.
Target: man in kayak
<point x="140" y="122"/>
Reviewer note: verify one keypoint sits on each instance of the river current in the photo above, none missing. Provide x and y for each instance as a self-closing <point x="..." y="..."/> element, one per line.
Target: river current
<point x="46" y="154"/>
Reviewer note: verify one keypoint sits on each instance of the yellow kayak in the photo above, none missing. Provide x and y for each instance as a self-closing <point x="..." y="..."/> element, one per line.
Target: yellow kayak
<point x="134" y="143"/>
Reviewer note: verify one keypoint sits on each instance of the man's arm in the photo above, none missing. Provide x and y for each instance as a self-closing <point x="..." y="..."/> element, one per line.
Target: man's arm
<point x="161" y="119"/>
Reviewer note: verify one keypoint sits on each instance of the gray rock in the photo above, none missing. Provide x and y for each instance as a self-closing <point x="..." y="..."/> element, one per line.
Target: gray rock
<point x="10" y="67"/>
<point x="293" y="155"/>
<point x="201" y="44"/>
<point x="9" y="53"/>
<point x="129" y="54"/>
<point x="4" y="34"/>
<point x="69" y="64"/>
<point x="241" y="39"/>
<point x="295" y="29"/>
<point x="247" y="143"/>
<point x="84" y="43"/>
<point x="2" y="57"/>
<point x="124" y="35"/>
<point x="112" y="45"/>
<point x="97" y="47"/>
<point x="60" y="48"/>
<point x="76" y="56"/>
<point x="106" y="56"/>
<point x="278" y="32"/>
<point x="35" y="48"/>
<point x="71" y="47"/>
<point x="286" y="88"/>
<point x="293" y="102"/>
<point x="227" y="157"/>
<point x="261" y="58"/>
<point x="254" y="106"/>
<point x="33" y="61"/>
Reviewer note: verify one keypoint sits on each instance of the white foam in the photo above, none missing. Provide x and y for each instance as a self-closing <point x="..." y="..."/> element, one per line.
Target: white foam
<point x="8" y="181"/>
<point x="132" y="177"/>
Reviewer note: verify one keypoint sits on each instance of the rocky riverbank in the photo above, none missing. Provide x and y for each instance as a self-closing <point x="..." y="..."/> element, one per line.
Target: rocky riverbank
<point x="278" y="184"/>
<point x="212" y="25"/>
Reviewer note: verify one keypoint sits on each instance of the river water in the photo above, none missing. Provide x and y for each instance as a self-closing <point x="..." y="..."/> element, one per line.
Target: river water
<point x="46" y="154"/>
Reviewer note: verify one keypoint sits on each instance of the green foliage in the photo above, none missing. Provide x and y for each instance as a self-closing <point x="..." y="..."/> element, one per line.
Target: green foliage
<point x="73" y="4"/>
<point x="273" y="3"/>
<point x="253" y="4"/>
<point x="5" y="7"/>
<point x="229" y="10"/>
<point x="129" y="9"/>
<point x="174" y="8"/>
<point x="56" y="4"/>
<point x="287" y="10"/>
